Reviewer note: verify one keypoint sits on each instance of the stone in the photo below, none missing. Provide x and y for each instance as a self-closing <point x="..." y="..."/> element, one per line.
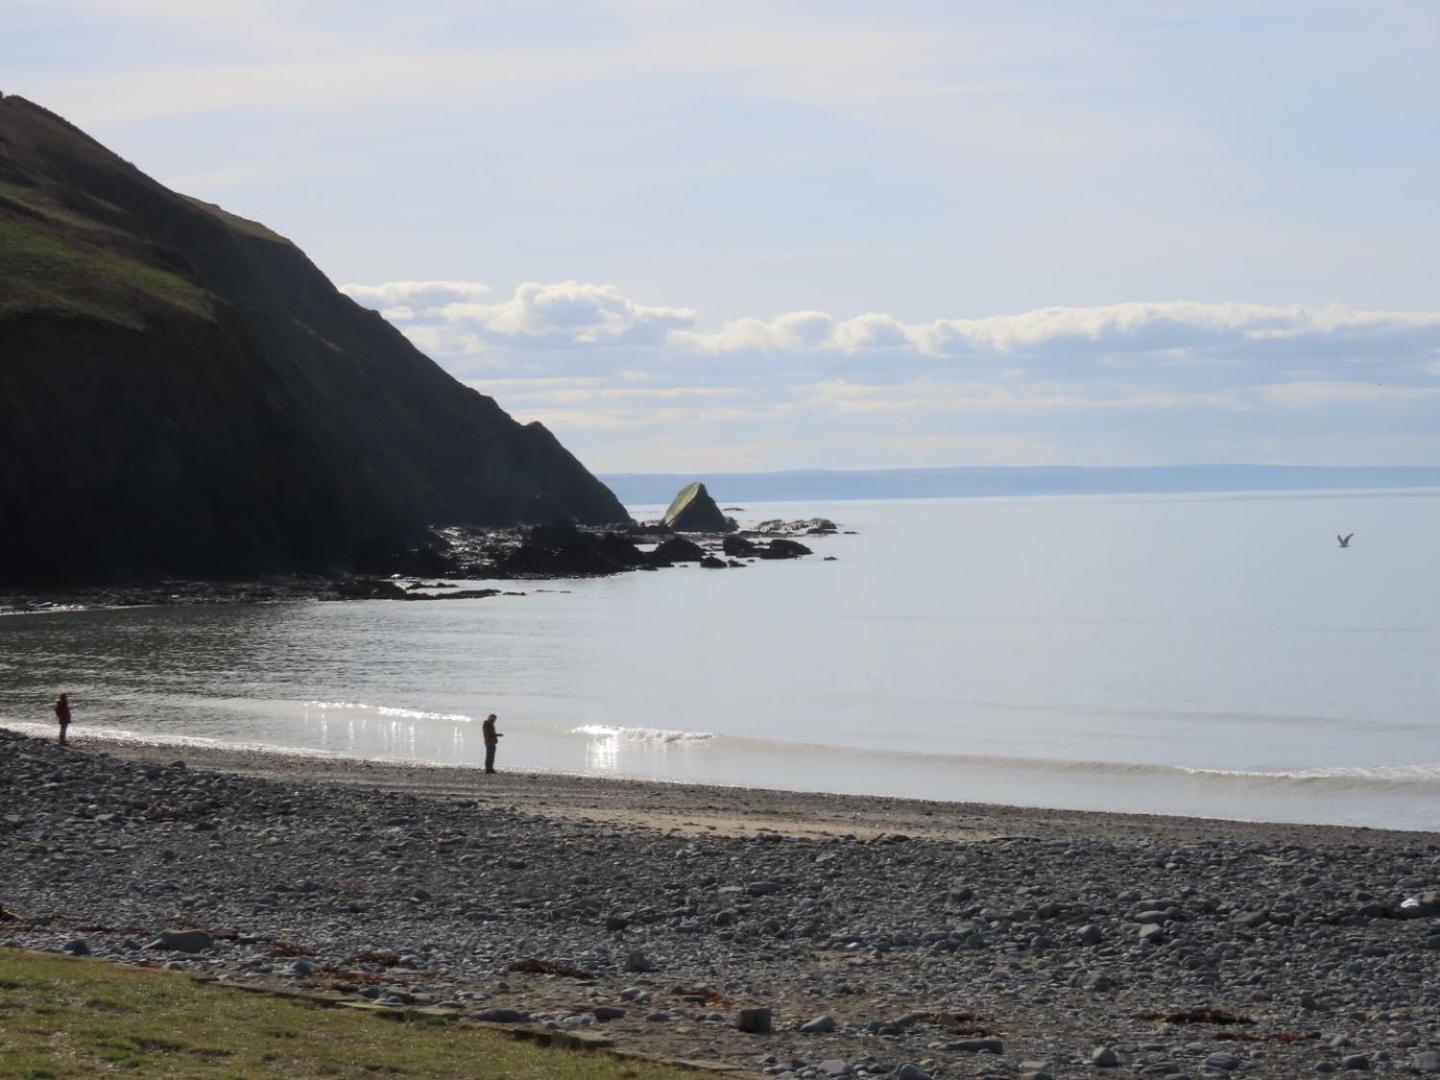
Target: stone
<point x="186" y="941"/>
<point x="693" y="510"/>
<point x="911" y="1072"/>
<point x="638" y="961"/>
<point x="1090" y="935"/>
<point x="834" y="1067"/>
<point x="1104" y="1058"/>
<point x="1427" y="1061"/>
<point x="755" y="1021"/>
<point x="736" y="546"/>
<point x="762" y="888"/>
<point x="979" y="1046"/>
<point x="78" y="947"/>
<point x="784" y="549"/>
<point x="821" y="1025"/>
<point x="1152" y="934"/>
<point x="501" y="1016"/>
<point x="678" y="549"/>
<point x="710" y="562"/>
<point x="1225" y="1062"/>
<point x="1355" y="1062"/>
<point x="607" y="1012"/>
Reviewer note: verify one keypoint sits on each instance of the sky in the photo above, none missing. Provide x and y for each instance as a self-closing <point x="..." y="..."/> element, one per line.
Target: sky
<point x="741" y="235"/>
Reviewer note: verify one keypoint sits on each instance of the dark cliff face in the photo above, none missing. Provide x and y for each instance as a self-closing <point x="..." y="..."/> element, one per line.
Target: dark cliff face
<point x="183" y="393"/>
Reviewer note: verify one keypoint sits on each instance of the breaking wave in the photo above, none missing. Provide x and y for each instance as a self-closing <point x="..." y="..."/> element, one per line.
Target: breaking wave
<point x="642" y="734"/>
<point x="392" y="711"/>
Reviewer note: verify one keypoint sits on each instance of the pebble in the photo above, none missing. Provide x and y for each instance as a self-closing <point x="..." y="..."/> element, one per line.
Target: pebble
<point x="431" y="900"/>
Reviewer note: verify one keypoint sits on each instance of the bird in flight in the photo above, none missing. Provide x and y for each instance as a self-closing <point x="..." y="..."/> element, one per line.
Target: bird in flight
<point x="1344" y="540"/>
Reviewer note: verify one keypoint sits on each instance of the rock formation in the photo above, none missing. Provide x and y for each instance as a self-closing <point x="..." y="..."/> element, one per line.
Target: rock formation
<point x="693" y="510"/>
<point x="182" y="393"/>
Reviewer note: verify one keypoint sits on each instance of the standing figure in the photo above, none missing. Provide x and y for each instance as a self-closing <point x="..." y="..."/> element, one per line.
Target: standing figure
<point x="62" y="713"/>
<point x="492" y="739"/>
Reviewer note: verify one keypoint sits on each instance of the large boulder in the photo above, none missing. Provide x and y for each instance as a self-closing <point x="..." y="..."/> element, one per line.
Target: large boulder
<point x="678" y="549"/>
<point x="693" y="510"/>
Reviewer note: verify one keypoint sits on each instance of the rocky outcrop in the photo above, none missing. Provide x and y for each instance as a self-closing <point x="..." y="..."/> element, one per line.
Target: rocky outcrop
<point x="182" y="393"/>
<point x="562" y="550"/>
<point x="783" y="549"/>
<point x="678" y="549"/>
<point x="693" y="510"/>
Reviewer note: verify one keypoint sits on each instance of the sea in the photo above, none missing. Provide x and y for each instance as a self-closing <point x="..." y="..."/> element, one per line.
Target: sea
<point x="1215" y="655"/>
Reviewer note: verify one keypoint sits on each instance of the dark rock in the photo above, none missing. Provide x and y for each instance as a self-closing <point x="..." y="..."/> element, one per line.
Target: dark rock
<point x="693" y="510"/>
<point x="607" y="1012"/>
<point x="755" y="1021"/>
<point x="979" y="1046"/>
<point x="501" y="1016"/>
<point x="780" y="548"/>
<point x="712" y="563"/>
<point x="821" y="1025"/>
<point x="736" y="546"/>
<point x="678" y="549"/>
<point x="638" y="961"/>
<point x="186" y="941"/>
<point x="561" y="549"/>
<point x="78" y="947"/>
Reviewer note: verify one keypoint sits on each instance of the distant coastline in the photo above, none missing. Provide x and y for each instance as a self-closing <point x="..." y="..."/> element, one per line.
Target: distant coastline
<point x="975" y="481"/>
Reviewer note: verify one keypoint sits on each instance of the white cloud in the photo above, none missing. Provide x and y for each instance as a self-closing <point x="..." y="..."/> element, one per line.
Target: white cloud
<point x="567" y="313"/>
<point x="1173" y="380"/>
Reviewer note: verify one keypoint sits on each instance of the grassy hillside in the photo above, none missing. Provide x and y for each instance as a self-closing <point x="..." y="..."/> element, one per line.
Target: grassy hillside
<point x="185" y="394"/>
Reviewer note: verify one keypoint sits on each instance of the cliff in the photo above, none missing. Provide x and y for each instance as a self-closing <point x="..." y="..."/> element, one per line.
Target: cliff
<point x="183" y="393"/>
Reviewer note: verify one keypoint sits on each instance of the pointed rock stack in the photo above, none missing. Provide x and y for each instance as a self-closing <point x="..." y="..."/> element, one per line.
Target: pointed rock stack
<point x="693" y="510"/>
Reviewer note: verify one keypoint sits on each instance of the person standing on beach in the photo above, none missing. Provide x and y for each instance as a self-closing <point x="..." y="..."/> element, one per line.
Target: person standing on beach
<point x="62" y="713"/>
<point x="492" y="740"/>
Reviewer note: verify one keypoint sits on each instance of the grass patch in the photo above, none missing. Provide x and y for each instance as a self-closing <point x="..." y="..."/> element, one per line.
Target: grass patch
<point x="64" y="1017"/>
<point x="46" y="269"/>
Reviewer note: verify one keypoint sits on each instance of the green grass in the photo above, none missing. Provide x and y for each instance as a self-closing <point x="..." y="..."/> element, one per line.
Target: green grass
<point x="236" y="222"/>
<point x="45" y="269"/>
<point x="64" y="1017"/>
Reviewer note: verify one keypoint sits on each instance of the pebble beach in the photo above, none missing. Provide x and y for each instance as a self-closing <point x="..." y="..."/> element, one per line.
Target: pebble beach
<point x="789" y="934"/>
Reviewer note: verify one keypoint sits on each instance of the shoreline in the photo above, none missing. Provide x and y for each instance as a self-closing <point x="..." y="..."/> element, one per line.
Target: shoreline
<point x="730" y="810"/>
<point x="959" y="939"/>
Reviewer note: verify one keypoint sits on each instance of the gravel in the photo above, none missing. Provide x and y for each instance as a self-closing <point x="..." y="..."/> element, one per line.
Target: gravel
<point x="1175" y="949"/>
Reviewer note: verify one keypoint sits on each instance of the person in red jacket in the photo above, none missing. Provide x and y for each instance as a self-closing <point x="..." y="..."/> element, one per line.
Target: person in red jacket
<point x="62" y="713"/>
<point x="492" y="740"/>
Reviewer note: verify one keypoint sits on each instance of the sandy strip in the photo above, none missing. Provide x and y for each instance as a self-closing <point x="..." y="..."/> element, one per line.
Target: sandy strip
<point x="694" y="809"/>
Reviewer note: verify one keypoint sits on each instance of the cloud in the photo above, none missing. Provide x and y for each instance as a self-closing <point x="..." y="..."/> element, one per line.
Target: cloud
<point x="622" y="380"/>
<point x="406" y="301"/>
<point x="1176" y="345"/>
<point x="565" y="314"/>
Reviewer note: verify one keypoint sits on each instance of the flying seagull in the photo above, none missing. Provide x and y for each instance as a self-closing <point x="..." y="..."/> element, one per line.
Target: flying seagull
<point x="1344" y="540"/>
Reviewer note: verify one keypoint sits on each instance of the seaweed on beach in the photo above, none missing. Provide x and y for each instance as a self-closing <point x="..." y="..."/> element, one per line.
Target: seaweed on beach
<point x="969" y="1025"/>
<point x="383" y="957"/>
<point x="533" y="966"/>
<point x="1195" y="1016"/>
<point x="282" y="948"/>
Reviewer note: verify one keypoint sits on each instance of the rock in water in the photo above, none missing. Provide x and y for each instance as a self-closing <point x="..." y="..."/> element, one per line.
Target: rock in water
<point x="678" y="549"/>
<point x="693" y="510"/>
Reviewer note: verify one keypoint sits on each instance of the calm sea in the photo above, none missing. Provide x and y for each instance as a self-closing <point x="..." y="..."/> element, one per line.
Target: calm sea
<point x="1217" y="655"/>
